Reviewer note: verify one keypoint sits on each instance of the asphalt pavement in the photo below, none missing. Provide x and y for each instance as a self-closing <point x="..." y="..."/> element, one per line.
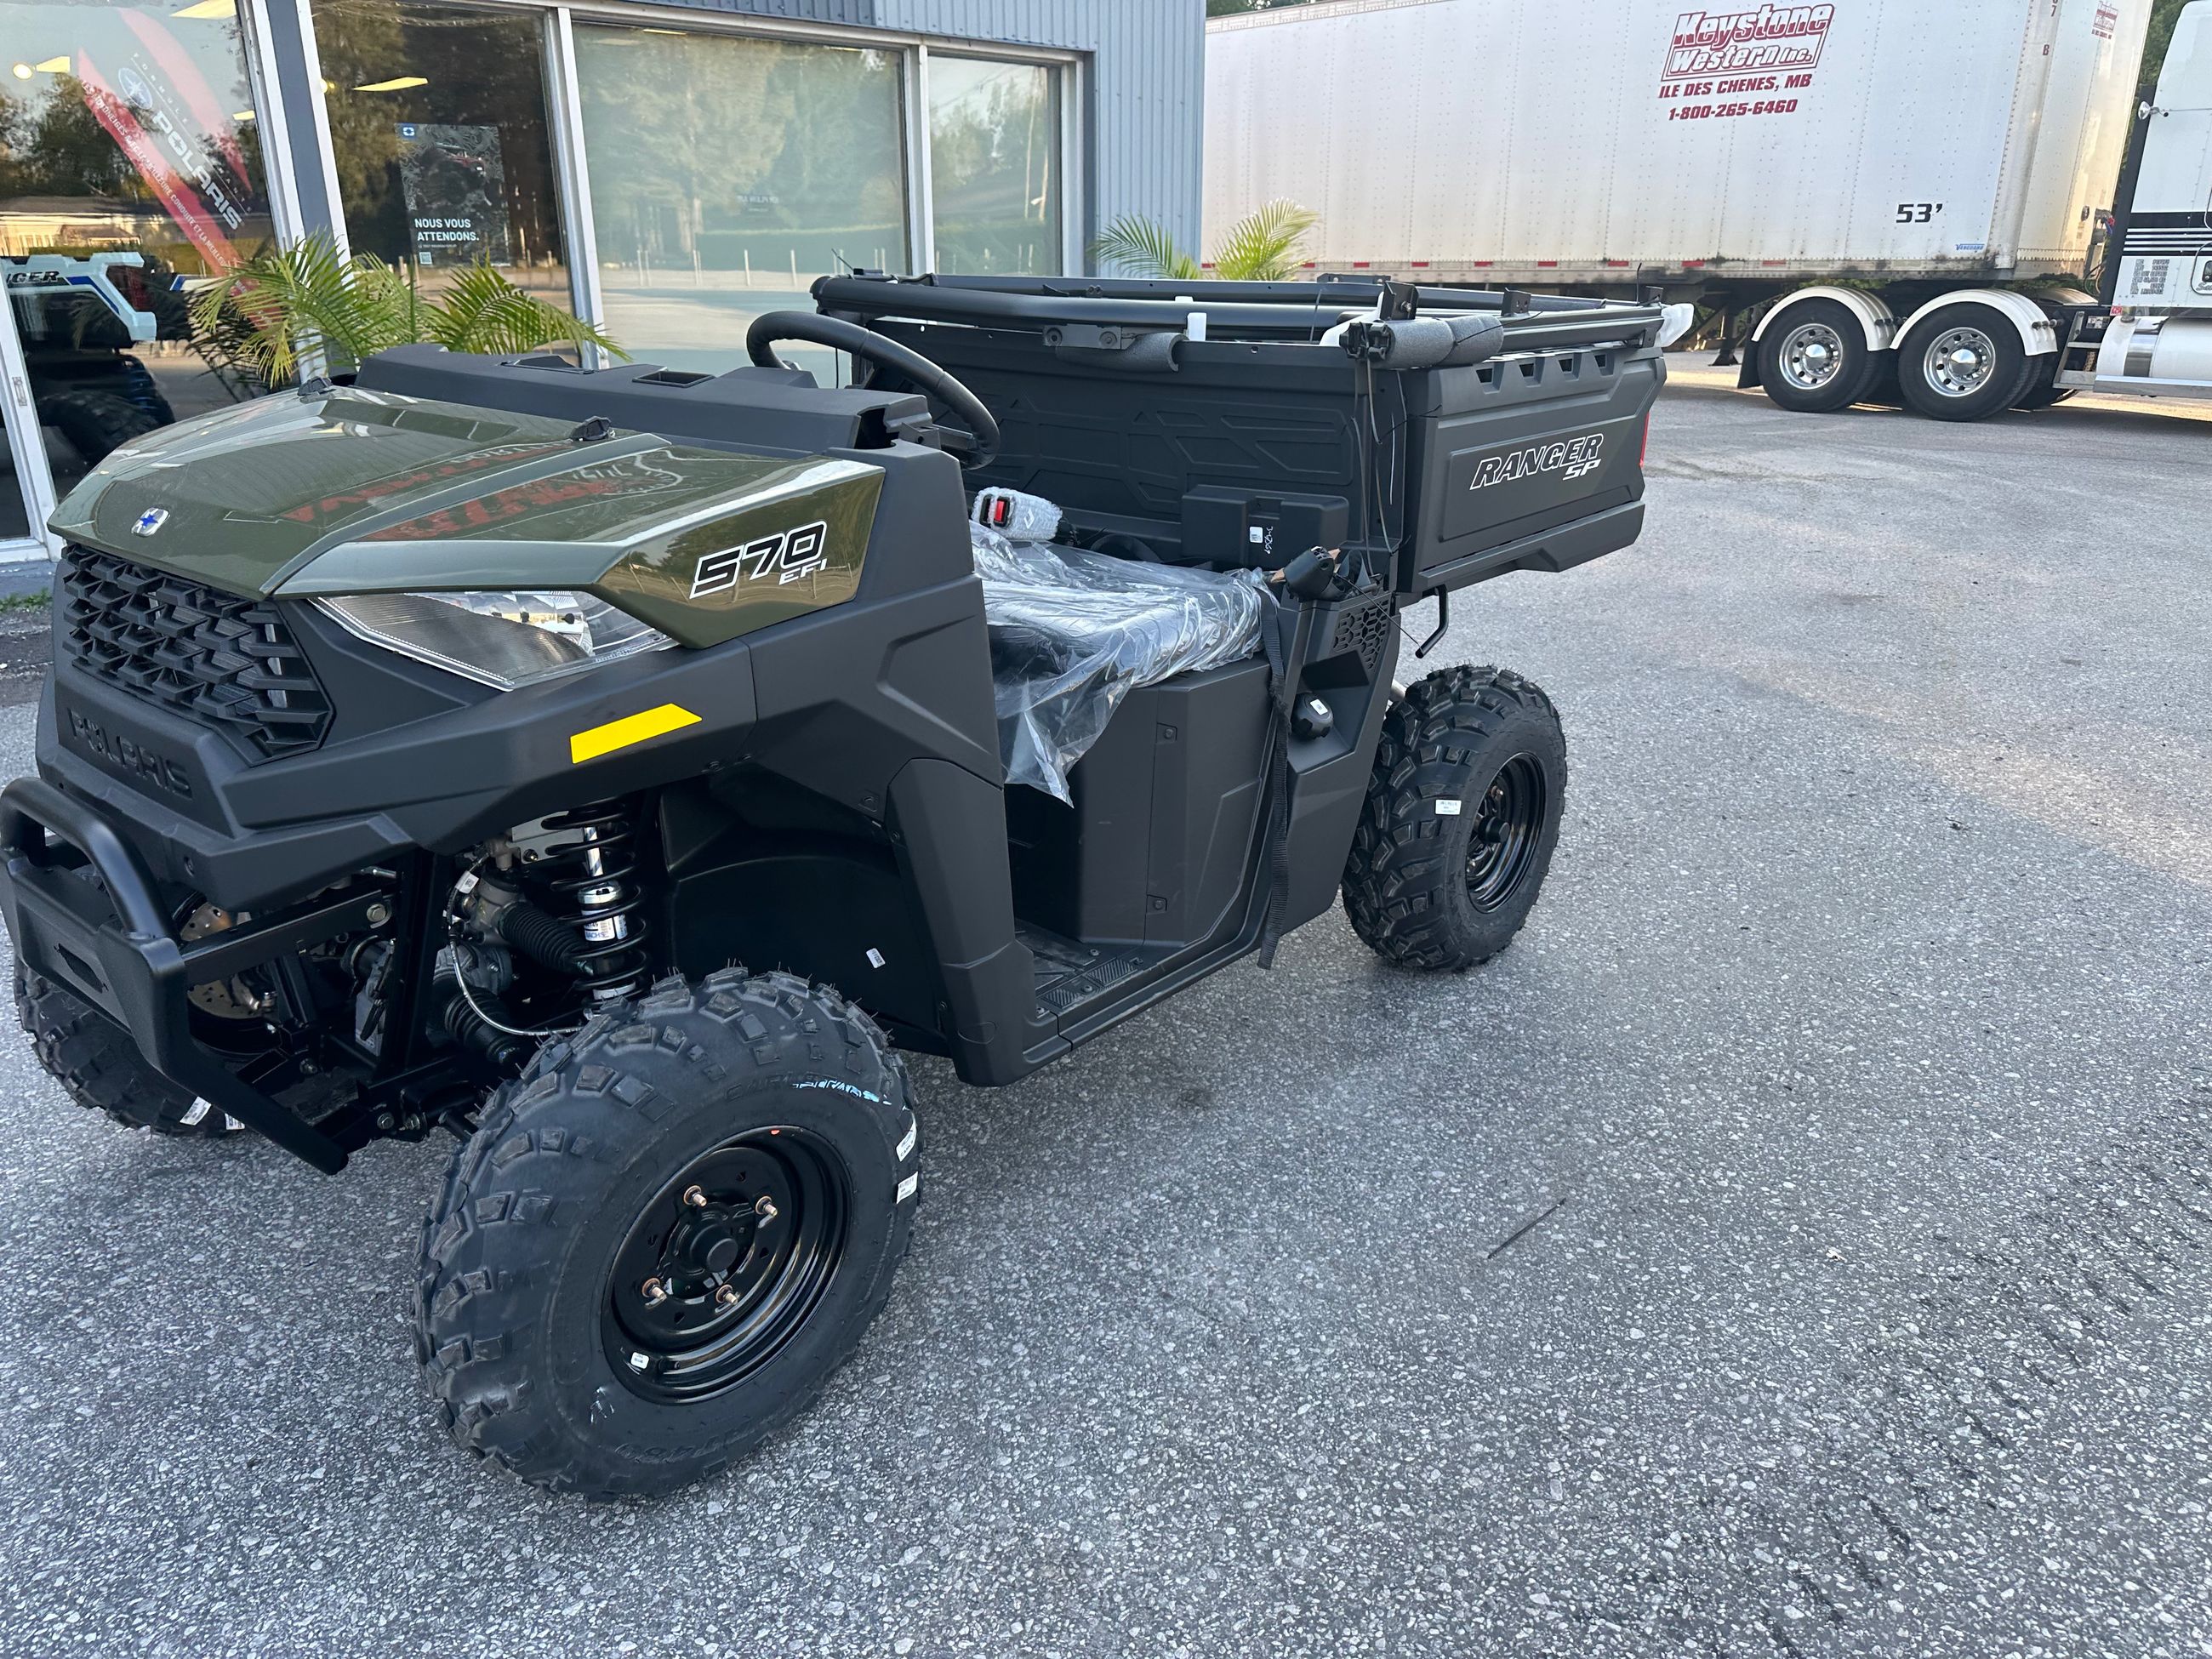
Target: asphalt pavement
<point x="1797" y="1244"/>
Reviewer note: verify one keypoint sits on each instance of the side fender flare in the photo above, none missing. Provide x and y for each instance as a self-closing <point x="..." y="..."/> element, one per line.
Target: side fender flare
<point x="2038" y="333"/>
<point x="1874" y="316"/>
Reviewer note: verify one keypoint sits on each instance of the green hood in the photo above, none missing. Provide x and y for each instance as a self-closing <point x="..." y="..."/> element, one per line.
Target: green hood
<point x="350" y="491"/>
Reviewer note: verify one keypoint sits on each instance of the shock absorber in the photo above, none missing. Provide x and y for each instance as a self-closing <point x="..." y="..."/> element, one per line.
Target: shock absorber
<point x="592" y="879"/>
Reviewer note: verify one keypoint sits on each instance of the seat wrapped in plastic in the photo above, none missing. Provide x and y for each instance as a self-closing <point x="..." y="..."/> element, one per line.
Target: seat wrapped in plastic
<point x="1073" y="632"/>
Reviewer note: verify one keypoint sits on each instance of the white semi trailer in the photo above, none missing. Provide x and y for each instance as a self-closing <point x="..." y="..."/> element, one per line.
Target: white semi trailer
<point x="1960" y="204"/>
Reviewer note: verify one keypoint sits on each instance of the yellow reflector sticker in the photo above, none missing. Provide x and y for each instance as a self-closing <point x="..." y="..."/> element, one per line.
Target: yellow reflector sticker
<point x="631" y="729"/>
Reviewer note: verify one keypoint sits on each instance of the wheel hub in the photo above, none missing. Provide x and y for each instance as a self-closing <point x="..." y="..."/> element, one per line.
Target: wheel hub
<point x="1812" y="357"/>
<point x="1509" y="827"/>
<point x="1960" y="361"/>
<point x="725" y="1264"/>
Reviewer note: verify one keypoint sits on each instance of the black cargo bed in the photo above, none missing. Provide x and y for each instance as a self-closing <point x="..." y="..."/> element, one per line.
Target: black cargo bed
<point x="1210" y="422"/>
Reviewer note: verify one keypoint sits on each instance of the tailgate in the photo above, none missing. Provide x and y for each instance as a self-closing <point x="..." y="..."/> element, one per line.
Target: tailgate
<point x="1532" y="462"/>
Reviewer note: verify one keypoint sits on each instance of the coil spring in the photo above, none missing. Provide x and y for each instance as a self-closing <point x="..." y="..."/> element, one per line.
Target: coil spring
<point x="595" y="889"/>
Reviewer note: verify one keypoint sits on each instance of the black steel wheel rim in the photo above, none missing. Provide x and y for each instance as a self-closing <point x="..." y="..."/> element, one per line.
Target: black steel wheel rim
<point x="726" y="1264"/>
<point x="1508" y="826"/>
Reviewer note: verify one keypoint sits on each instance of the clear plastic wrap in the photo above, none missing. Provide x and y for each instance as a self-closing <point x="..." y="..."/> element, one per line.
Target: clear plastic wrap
<point x="1072" y="633"/>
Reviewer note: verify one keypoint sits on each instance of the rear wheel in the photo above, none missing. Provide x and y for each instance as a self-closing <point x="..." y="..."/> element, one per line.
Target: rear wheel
<point x="1814" y="359"/>
<point x="96" y="423"/>
<point x="1462" y="814"/>
<point x="667" y="1234"/>
<point x="96" y="1062"/>
<point x="1964" y="362"/>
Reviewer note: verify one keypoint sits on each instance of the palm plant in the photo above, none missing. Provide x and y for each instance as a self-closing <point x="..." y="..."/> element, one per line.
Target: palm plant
<point x="1267" y="245"/>
<point x="284" y="301"/>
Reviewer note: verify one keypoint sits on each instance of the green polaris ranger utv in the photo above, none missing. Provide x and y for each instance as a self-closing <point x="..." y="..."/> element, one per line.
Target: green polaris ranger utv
<point x="620" y="767"/>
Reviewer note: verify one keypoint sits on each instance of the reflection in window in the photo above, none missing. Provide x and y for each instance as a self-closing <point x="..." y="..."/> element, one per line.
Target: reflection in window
<point x="994" y="166"/>
<point x="438" y="127"/>
<point x="14" y="514"/>
<point x="727" y="174"/>
<point x="129" y="170"/>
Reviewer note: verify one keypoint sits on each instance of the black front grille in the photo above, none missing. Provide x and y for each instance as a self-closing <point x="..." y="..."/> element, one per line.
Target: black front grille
<point x="226" y="662"/>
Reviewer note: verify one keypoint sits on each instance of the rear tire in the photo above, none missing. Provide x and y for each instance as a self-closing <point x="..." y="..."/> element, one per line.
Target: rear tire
<point x="1462" y="814"/>
<point x="96" y="1062"/>
<point x="96" y="423"/>
<point x="1964" y="362"/>
<point x="667" y="1234"/>
<point x="1814" y="359"/>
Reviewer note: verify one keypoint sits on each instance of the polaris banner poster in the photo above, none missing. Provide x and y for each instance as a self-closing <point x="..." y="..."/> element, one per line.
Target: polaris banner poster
<point x="160" y="110"/>
<point x="456" y="188"/>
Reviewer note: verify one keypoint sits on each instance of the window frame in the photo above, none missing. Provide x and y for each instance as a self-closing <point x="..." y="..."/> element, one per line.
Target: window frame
<point x="572" y="160"/>
<point x="1065" y="87"/>
<point x="27" y="449"/>
<point x="34" y="478"/>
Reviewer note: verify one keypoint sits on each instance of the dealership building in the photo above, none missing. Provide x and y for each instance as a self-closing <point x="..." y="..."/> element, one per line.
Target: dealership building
<point x="668" y="171"/>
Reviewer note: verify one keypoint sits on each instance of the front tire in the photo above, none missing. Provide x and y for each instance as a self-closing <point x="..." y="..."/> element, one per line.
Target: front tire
<point x="99" y="1066"/>
<point x="1462" y="815"/>
<point x="1815" y="360"/>
<point x="667" y="1234"/>
<point x="1964" y="362"/>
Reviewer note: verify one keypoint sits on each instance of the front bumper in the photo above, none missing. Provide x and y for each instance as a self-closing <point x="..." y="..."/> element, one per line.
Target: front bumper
<point x="116" y="948"/>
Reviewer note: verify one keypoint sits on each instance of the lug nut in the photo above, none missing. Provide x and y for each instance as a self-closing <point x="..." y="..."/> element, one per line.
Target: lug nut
<point x="764" y="1207"/>
<point x="654" y="1291"/>
<point x="696" y="1197"/>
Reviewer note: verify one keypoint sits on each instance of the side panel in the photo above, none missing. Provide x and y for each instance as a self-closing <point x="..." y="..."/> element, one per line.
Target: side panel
<point x="2167" y="256"/>
<point x="1582" y="139"/>
<point x="1524" y="447"/>
<point x="2088" y="103"/>
<point x="950" y="829"/>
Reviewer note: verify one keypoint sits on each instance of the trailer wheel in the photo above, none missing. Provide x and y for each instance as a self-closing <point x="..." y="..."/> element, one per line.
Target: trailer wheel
<point x="1462" y="814"/>
<point x="1966" y="362"/>
<point x="667" y="1235"/>
<point x="1815" y="360"/>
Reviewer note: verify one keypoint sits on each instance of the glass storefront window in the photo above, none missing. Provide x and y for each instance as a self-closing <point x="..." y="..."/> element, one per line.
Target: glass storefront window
<point x="14" y="514"/>
<point x="129" y="170"/>
<point x="439" y="130"/>
<point x="726" y="174"/>
<point x="994" y="166"/>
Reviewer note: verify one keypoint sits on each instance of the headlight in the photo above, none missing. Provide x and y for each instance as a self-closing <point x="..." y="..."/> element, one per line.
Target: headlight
<point x="505" y="638"/>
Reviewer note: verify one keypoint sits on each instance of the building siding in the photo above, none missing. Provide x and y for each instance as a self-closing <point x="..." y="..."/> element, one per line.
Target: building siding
<point x="1146" y="123"/>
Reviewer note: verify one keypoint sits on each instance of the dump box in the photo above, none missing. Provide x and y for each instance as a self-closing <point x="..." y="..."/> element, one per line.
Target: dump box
<point x="1226" y="423"/>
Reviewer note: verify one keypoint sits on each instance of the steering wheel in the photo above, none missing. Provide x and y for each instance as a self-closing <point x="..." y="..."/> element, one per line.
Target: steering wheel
<point x="976" y="447"/>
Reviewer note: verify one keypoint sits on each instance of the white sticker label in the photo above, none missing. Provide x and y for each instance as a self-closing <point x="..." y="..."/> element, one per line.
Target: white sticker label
<point x="1448" y="809"/>
<point x="906" y="1188"/>
<point x="913" y="1134"/>
<point x="875" y="957"/>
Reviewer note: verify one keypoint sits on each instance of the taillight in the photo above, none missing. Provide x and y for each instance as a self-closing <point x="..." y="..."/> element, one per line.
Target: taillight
<point x="1645" y="453"/>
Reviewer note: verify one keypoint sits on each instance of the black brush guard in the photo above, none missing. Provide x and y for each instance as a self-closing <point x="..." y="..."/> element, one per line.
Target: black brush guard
<point x="116" y="950"/>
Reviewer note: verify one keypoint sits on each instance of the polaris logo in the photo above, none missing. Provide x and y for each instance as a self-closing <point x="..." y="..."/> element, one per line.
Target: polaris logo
<point x="786" y="556"/>
<point x="1575" y="459"/>
<point x="133" y="759"/>
<point x="149" y="522"/>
